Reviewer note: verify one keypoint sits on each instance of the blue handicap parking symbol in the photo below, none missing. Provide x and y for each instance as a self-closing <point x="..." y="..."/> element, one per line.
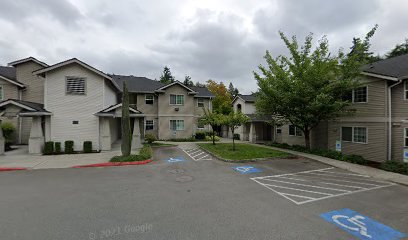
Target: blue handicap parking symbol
<point x="246" y="169"/>
<point x="175" y="159"/>
<point x="361" y="226"/>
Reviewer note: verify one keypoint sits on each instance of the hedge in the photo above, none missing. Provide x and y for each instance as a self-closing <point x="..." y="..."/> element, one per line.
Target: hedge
<point x="57" y="147"/>
<point x="69" y="146"/>
<point x="49" y="148"/>
<point x="87" y="146"/>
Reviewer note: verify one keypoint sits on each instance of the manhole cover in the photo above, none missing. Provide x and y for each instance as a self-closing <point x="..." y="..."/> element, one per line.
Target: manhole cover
<point x="184" y="179"/>
<point x="175" y="171"/>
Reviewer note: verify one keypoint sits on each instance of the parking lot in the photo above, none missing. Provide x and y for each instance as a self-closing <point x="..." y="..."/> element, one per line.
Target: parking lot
<point x="178" y="197"/>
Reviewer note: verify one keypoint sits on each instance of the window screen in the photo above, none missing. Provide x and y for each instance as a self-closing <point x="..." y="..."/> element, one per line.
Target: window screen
<point x="360" y="94"/>
<point x="360" y="135"/>
<point x="176" y="99"/>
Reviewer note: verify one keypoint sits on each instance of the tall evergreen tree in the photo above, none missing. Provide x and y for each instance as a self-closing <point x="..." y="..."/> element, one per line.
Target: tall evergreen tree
<point x="233" y="90"/>
<point x="126" y="134"/>
<point x="166" y="76"/>
<point x="398" y="50"/>
<point x="187" y="81"/>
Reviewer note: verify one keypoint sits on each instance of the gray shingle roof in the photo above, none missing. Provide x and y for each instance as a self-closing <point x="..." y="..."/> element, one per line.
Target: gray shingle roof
<point x="8" y="72"/>
<point x="248" y="98"/>
<point x="393" y="67"/>
<point x="146" y="85"/>
<point x="38" y="107"/>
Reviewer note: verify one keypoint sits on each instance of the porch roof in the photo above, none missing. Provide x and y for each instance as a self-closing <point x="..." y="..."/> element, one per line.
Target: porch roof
<point x="259" y="118"/>
<point x="29" y="109"/>
<point x="112" y="111"/>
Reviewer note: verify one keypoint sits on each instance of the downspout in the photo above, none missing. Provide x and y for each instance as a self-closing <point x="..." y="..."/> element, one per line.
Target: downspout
<point x="390" y="120"/>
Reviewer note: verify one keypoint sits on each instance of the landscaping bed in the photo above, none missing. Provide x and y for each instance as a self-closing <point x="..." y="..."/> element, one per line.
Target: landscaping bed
<point x="145" y="153"/>
<point x="243" y="153"/>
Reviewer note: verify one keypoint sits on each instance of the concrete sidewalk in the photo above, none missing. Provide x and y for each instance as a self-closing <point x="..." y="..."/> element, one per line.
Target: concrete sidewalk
<point x="360" y="169"/>
<point x="21" y="158"/>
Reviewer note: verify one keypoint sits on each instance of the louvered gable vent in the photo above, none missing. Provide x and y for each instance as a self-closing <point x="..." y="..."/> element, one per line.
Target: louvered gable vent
<point x="75" y="85"/>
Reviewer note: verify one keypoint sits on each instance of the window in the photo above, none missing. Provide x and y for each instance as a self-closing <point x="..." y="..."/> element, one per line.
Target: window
<point x="294" y="131"/>
<point x="278" y="130"/>
<point x="75" y="86"/>
<point x="177" y="125"/>
<point x="406" y="136"/>
<point x="149" y="124"/>
<point x="200" y="102"/>
<point x="360" y="95"/>
<point x="149" y="98"/>
<point x="176" y="99"/>
<point x="200" y="125"/>
<point x="347" y="134"/>
<point x="1" y="93"/>
<point x="406" y="90"/>
<point x="239" y="108"/>
<point x="354" y="134"/>
<point x="360" y="135"/>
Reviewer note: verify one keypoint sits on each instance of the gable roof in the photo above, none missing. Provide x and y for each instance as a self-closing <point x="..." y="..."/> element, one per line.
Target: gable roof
<point x="111" y="111"/>
<point x="17" y="62"/>
<point x="395" y="68"/>
<point x="9" y="74"/>
<point x="77" y="61"/>
<point x="146" y="85"/>
<point x="246" y="98"/>
<point x="30" y="108"/>
<point x="174" y="83"/>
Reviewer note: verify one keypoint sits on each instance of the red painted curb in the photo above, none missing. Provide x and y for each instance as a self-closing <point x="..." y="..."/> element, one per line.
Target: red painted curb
<point x="114" y="164"/>
<point x="5" y="169"/>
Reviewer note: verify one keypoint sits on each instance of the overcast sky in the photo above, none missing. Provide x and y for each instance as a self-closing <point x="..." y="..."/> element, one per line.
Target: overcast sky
<point x="206" y="39"/>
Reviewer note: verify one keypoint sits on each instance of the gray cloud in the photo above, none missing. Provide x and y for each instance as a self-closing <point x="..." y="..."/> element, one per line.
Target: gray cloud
<point x="221" y="40"/>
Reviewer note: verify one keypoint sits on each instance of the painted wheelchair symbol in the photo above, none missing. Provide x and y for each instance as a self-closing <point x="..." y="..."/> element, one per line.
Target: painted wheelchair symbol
<point x="173" y="160"/>
<point x="352" y="223"/>
<point x="244" y="169"/>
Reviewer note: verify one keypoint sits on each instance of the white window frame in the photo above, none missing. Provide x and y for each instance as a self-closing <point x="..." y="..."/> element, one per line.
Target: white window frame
<point x="279" y="128"/>
<point x="1" y="92"/>
<point x="352" y="134"/>
<point x="75" y="94"/>
<point x="405" y="136"/>
<point x="353" y="95"/>
<point x="198" y="102"/>
<point x="149" y="124"/>
<point x="177" y="120"/>
<point x="198" y="126"/>
<point x="405" y="89"/>
<point x="296" y="130"/>
<point x="176" y="99"/>
<point x="149" y="94"/>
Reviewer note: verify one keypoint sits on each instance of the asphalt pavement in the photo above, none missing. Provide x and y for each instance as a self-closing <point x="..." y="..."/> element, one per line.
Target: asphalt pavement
<point x="178" y="197"/>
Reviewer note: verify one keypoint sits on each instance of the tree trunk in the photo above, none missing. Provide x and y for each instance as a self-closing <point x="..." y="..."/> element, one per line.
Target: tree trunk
<point x="233" y="139"/>
<point x="307" y="138"/>
<point x="213" y="136"/>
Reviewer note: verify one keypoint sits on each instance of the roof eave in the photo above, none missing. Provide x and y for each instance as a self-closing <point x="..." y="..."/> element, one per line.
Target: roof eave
<point x="380" y="76"/>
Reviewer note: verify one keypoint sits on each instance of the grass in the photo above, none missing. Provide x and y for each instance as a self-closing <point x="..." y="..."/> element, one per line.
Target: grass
<point x="243" y="151"/>
<point x="144" y="154"/>
<point x="157" y="144"/>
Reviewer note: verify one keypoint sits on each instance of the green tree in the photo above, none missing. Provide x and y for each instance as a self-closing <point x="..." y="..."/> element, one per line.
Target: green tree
<point x="187" y="81"/>
<point x="398" y="50"/>
<point x="213" y="119"/>
<point x="233" y="91"/>
<point x="222" y="100"/>
<point x="166" y="76"/>
<point x="233" y="121"/>
<point x="126" y="134"/>
<point x="198" y="84"/>
<point x="309" y="86"/>
<point x="360" y="50"/>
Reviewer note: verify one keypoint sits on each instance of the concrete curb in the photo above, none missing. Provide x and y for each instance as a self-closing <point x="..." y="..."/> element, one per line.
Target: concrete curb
<point x="114" y="164"/>
<point x="236" y="161"/>
<point x="360" y="169"/>
<point x="7" y="169"/>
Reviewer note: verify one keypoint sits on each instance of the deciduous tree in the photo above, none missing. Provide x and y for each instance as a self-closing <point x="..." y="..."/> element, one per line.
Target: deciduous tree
<point x="213" y="119"/>
<point x="233" y="121"/>
<point x="222" y="100"/>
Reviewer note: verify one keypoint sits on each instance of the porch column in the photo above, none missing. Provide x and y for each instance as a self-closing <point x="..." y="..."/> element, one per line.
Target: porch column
<point x="105" y="134"/>
<point x="136" y="136"/>
<point x="2" y="141"/>
<point x="252" y="133"/>
<point x="36" y="141"/>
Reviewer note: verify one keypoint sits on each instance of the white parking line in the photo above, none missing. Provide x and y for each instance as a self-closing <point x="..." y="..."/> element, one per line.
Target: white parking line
<point x="197" y="154"/>
<point x="309" y="186"/>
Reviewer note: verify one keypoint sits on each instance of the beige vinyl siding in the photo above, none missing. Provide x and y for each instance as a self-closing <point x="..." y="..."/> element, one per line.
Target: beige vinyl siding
<point x="68" y="108"/>
<point x="291" y="140"/>
<point x="109" y="95"/>
<point x="34" y="91"/>
<point x="154" y="131"/>
<point x="114" y="129"/>
<point x="399" y="103"/>
<point x="148" y="109"/>
<point x="398" y="143"/>
<point x="166" y="133"/>
<point x="376" y="147"/>
<point x="9" y="90"/>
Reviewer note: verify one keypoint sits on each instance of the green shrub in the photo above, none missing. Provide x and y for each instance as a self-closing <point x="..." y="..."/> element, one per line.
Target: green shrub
<point x="69" y="146"/>
<point x="87" y="146"/>
<point x="209" y="138"/>
<point x="355" y="159"/>
<point x="8" y="133"/>
<point x="395" y="166"/>
<point x="49" y="148"/>
<point x="144" y="154"/>
<point x="57" y="147"/>
<point x="237" y="136"/>
<point x="150" y="138"/>
<point x="181" y="139"/>
<point x="200" y="135"/>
